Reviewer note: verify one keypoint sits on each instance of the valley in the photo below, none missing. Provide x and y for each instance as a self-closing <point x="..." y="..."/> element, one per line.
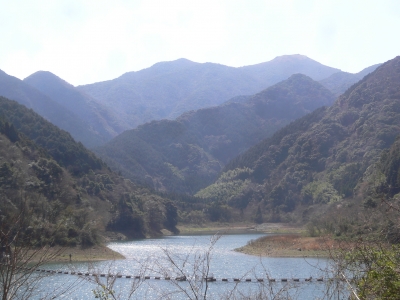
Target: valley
<point x="223" y="163"/>
<point x="284" y="147"/>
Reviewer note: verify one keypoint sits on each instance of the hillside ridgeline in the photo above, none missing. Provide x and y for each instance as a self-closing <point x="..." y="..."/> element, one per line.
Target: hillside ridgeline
<point x="62" y="192"/>
<point x="188" y="153"/>
<point x="168" y="89"/>
<point x="320" y="159"/>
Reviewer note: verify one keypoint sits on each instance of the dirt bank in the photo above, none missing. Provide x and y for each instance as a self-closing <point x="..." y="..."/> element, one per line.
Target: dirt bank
<point x="237" y="228"/>
<point x="61" y="254"/>
<point x="291" y="245"/>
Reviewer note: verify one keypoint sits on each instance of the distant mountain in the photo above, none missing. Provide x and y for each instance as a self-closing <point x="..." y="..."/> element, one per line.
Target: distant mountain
<point x="168" y="89"/>
<point x="99" y="119"/>
<point x="187" y="154"/>
<point x="15" y="89"/>
<point x="283" y="66"/>
<point x="339" y="82"/>
<point x="320" y="158"/>
<point x="63" y="187"/>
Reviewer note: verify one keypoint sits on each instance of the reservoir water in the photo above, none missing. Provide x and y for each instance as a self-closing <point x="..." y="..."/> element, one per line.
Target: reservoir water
<point x="193" y="256"/>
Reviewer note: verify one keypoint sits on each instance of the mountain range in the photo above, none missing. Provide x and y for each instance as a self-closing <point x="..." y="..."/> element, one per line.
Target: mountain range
<point x="98" y="118"/>
<point x="164" y="90"/>
<point x="339" y="82"/>
<point x="54" y="111"/>
<point x="321" y="158"/>
<point x="168" y="89"/>
<point x="186" y="154"/>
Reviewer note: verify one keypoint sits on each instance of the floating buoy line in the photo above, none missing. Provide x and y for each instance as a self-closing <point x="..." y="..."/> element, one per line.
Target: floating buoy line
<point x="179" y="278"/>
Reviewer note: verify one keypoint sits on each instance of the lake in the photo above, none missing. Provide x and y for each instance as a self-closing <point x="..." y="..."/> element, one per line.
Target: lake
<point x="193" y="257"/>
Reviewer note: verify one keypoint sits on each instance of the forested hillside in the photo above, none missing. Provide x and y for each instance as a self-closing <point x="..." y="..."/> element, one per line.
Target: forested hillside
<point x="98" y="118"/>
<point x="320" y="158"/>
<point x="168" y="89"/>
<point x="187" y="154"/>
<point x="339" y="82"/>
<point x="67" y="195"/>
<point x="23" y="93"/>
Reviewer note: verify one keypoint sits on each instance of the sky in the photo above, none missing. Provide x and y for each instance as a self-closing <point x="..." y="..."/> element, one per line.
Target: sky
<point x="87" y="41"/>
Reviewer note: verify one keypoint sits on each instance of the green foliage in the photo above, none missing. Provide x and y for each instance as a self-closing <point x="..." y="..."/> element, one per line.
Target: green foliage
<point x="193" y="217"/>
<point x="345" y="178"/>
<point x="223" y="191"/>
<point x="241" y="174"/>
<point x="219" y="212"/>
<point x="58" y="143"/>
<point x="380" y="277"/>
<point x="325" y="156"/>
<point x="187" y="154"/>
<point x="9" y="130"/>
<point x="258" y="218"/>
<point x="69" y="202"/>
<point x="320" y="192"/>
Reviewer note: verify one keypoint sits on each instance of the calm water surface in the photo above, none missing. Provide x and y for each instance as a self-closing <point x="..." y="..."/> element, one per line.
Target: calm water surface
<point x="149" y="257"/>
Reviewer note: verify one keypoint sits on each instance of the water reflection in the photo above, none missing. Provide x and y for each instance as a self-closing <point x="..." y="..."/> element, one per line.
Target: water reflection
<point x="148" y="258"/>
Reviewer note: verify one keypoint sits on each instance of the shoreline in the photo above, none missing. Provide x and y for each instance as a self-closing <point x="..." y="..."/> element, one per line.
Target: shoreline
<point x="60" y="254"/>
<point x="291" y="245"/>
<point x="239" y="228"/>
<point x="102" y="252"/>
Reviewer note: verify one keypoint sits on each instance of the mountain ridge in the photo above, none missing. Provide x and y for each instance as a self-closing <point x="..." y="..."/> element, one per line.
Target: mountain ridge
<point x="321" y="157"/>
<point x="14" y="88"/>
<point x="69" y="196"/>
<point x="184" y="154"/>
<point x="169" y="89"/>
<point x="97" y="116"/>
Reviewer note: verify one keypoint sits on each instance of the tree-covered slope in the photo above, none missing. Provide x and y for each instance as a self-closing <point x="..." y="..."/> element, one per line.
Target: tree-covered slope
<point x="168" y="89"/>
<point x="339" y="82"/>
<point x="186" y="154"/>
<point x="15" y="89"/>
<point x="321" y="157"/>
<point x="99" y="119"/>
<point x="66" y="193"/>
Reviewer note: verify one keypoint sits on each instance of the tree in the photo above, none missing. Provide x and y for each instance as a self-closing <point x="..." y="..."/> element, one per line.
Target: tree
<point x="20" y="257"/>
<point x="258" y="217"/>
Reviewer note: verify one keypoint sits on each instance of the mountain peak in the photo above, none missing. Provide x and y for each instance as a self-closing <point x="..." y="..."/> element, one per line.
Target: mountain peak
<point x="291" y="57"/>
<point x="40" y="78"/>
<point x="160" y="68"/>
<point x="171" y="66"/>
<point x="281" y="67"/>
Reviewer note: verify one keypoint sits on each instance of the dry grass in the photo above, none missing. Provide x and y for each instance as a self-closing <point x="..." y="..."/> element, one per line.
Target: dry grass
<point x="237" y="228"/>
<point x="291" y="246"/>
<point x="96" y="253"/>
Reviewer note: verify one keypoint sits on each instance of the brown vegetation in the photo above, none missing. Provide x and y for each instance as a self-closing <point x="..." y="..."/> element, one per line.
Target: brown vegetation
<point x="292" y="245"/>
<point x="96" y="253"/>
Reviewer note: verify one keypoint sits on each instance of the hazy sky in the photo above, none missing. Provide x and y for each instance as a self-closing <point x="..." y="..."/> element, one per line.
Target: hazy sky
<point x="87" y="41"/>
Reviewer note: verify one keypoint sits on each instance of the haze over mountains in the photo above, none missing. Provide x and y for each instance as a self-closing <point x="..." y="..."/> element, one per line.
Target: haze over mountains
<point x="339" y="82"/>
<point x="101" y="120"/>
<point x="329" y="155"/>
<point x="15" y="89"/>
<point x="164" y="90"/>
<point x="168" y="89"/>
<point x="187" y="154"/>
